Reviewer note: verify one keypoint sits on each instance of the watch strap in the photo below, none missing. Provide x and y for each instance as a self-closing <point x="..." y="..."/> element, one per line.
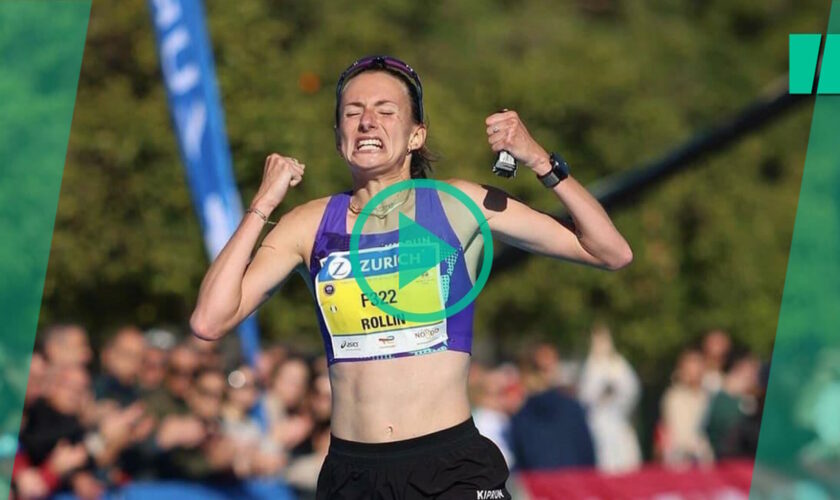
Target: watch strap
<point x="550" y="179"/>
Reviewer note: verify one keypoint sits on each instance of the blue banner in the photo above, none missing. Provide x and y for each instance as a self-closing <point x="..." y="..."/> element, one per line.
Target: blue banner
<point x="186" y="60"/>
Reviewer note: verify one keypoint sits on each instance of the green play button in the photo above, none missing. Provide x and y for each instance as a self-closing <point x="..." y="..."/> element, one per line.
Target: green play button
<point x="419" y="250"/>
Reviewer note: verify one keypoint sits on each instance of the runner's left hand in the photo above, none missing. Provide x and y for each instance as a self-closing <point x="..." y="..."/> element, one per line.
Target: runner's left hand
<point x="505" y="130"/>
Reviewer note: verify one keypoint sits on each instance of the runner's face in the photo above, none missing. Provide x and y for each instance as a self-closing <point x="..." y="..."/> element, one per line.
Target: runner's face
<point x="376" y="127"/>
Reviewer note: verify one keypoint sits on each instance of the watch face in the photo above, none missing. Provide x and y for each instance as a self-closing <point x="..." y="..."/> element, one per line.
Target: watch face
<point x="559" y="166"/>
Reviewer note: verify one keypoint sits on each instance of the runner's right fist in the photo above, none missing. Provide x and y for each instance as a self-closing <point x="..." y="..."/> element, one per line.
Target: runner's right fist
<point x="279" y="173"/>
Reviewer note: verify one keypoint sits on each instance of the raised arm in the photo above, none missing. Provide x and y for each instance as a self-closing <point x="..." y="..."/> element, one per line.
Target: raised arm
<point x="235" y="285"/>
<point x="592" y="240"/>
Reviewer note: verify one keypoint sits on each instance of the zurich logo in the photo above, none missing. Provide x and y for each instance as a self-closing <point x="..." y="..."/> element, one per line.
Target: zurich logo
<point x="339" y="268"/>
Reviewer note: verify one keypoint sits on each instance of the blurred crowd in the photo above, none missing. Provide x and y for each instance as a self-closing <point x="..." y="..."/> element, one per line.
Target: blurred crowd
<point x="153" y="406"/>
<point x="548" y="413"/>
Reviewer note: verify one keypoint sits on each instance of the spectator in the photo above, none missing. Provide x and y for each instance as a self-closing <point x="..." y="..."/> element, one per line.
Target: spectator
<point x="304" y="468"/>
<point x="514" y="393"/>
<point x="64" y="417"/>
<point x="143" y="459"/>
<point x="242" y="395"/>
<point x="291" y="382"/>
<point x="53" y="438"/>
<point x="121" y="364"/>
<point x="268" y="361"/>
<point x="67" y="344"/>
<point x="31" y="481"/>
<point x="155" y="359"/>
<point x="489" y="409"/>
<point x="290" y="421"/>
<point x="731" y="409"/>
<point x="56" y="417"/>
<point x="208" y="353"/>
<point x="254" y="456"/>
<point x="546" y="360"/>
<point x="153" y="371"/>
<point x="171" y="398"/>
<point x="609" y="388"/>
<point x="320" y="399"/>
<point x="117" y="444"/>
<point x="684" y="405"/>
<point x="303" y="471"/>
<point x="550" y="430"/>
<point x="197" y="449"/>
<point x="716" y="350"/>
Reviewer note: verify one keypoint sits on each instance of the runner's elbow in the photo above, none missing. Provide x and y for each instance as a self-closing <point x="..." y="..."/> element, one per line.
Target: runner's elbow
<point x="204" y="329"/>
<point x="622" y="259"/>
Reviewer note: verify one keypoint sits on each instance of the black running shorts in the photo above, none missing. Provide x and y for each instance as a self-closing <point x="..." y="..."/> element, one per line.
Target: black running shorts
<point x="455" y="463"/>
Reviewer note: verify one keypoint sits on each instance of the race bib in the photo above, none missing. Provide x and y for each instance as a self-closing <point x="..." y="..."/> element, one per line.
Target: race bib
<point x="357" y="327"/>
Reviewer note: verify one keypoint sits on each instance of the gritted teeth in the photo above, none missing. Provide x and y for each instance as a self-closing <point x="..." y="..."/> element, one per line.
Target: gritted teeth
<point x="368" y="144"/>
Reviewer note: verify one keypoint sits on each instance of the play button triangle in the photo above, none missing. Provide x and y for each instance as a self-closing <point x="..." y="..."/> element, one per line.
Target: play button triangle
<point x="419" y="250"/>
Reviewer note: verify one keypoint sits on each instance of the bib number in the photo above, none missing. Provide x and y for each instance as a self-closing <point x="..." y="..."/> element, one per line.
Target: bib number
<point x="357" y="327"/>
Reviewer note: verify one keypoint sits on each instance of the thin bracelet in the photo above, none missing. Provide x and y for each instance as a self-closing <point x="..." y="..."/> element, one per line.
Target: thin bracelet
<point x="260" y="215"/>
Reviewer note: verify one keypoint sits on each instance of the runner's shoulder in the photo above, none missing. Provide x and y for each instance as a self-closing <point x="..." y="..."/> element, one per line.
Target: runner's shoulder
<point x="472" y="189"/>
<point x="310" y="211"/>
<point x="477" y="192"/>
<point x="486" y="197"/>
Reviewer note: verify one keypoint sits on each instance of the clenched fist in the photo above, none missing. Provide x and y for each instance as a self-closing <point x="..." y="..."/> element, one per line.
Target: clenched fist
<point x="505" y="130"/>
<point x="279" y="173"/>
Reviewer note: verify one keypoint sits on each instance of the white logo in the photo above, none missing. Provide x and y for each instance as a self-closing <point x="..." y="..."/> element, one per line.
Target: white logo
<point x="339" y="268"/>
<point x="489" y="494"/>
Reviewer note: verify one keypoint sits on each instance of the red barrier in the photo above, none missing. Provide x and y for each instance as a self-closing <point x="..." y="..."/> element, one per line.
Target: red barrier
<point x="729" y="480"/>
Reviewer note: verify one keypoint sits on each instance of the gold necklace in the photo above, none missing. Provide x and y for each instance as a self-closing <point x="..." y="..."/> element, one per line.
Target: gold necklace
<point x="387" y="208"/>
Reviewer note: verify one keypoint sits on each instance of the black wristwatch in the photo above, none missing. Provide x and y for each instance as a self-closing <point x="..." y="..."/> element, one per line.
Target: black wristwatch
<point x="559" y="171"/>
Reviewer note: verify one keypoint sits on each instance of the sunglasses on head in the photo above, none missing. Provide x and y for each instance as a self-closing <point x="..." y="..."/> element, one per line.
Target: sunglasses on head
<point x="381" y="62"/>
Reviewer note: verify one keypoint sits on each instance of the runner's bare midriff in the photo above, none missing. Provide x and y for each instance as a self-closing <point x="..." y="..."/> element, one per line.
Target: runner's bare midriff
<point x="390" y="400"/>
<point x="380" y="401"/>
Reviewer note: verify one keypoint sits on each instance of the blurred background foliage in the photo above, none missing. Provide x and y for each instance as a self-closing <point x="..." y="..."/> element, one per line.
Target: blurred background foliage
<point x="609" y="83"/>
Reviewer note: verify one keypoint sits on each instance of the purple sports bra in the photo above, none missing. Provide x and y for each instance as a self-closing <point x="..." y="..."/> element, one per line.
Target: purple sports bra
<point x="352" y="326"/>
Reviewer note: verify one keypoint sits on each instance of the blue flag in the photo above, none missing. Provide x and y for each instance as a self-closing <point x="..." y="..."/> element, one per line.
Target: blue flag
<point x="186" y="60"/>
